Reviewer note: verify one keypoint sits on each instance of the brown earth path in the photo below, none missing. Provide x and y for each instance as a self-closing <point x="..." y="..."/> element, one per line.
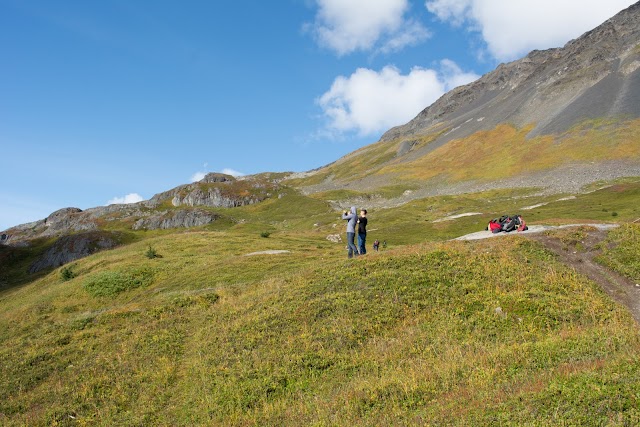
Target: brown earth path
<point x="581" y="258"/>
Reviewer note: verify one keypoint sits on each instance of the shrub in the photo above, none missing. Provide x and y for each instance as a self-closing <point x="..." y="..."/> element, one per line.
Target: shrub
<point x="151" y="253"/>
<point x="67" y="273"/>
<point x="265" y="234"/>
<point x="111" y="283"/>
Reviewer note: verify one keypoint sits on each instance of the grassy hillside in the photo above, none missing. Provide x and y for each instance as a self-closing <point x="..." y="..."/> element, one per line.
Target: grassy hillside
<point x="308" y="338"/>
<point x="423" y="332"/>
<point x="426" y="219"/>
<point x="502" y="152"/>
<point x="506" y="151"/>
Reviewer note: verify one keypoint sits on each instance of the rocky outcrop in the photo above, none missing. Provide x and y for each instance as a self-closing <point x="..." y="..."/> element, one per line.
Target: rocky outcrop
<point x="214" y="190"/>
<point x="62" y="221"/>
<point x="213" y="197"/>
<point x="70" y="247"/>
<point x="219" y="191"/>
<point x="70" y="220"/>
<point x="73" y="247"/>
<point x="178" y="219"/>
<point x="212" y="177"/>
<point x="67" y="220"/>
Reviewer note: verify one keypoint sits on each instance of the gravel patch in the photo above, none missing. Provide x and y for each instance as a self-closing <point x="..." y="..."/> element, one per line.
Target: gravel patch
<point x="570" y="179"/>
<point x="485" y="234"/>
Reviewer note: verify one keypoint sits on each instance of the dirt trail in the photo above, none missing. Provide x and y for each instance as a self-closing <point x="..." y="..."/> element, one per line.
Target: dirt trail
<point x="580" y="257"/>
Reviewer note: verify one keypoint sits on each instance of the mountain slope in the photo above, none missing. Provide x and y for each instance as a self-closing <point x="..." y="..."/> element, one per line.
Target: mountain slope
<point x="522" y="114"/>
<point x="594" y="76"/>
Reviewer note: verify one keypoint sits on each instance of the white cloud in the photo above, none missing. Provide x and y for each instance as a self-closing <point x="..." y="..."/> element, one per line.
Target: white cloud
<point x="453" y="76"/>
<point x="129" y="198"/>
<point x="232" y="172"/>
<point x="369" y="101"/>
<point x="411" y="33"/>
<point x="512" y="28"/>
<point x="455" y="11"/>
<point x="198" y="176"/>
<point x="346" y="26"/>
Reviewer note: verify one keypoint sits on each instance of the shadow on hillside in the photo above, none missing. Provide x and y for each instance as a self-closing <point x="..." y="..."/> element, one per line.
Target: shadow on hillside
<point x="22" y="264"/>
<point x="14" y="267"/>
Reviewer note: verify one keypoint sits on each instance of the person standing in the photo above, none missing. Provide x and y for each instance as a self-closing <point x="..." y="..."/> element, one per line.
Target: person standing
<point x="362" y="232"/>
<point x="351" y="217"/>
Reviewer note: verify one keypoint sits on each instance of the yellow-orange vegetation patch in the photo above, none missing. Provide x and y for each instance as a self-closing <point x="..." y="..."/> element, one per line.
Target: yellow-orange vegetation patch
<point x="506" y="151"/>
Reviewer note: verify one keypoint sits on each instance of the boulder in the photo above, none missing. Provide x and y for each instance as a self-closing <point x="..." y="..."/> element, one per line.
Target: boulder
<point x="335" y="238"/>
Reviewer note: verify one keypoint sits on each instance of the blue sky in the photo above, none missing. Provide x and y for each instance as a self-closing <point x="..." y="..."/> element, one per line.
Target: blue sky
<point x="113" y="101"/>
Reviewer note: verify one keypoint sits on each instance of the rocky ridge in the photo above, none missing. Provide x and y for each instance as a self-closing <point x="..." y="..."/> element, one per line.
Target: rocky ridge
<point x="594" y="76"/>
<point x="214" y="190"/>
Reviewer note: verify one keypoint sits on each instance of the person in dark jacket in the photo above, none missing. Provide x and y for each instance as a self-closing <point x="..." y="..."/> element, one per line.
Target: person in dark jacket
<point x="351" y="217"/>
<point x="362" y="231"/>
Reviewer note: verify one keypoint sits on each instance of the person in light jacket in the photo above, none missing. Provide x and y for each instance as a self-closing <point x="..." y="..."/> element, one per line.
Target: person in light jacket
<point x="351" y="217"/>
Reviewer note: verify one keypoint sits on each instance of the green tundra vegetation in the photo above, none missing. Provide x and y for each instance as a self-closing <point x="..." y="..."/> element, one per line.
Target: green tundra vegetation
<point x="427" y="331"/>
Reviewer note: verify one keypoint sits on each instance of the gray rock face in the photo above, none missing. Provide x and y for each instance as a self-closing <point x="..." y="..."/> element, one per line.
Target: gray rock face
<point x="213" y="197"/>
<point x="218" y="190"/>
<point x="73" y="247"/>
<point x="178" y="219"/>
<point x="61" y="215"/>
<point x="594" y="76"/>
<point x="69" y="220"/>
<point x="216" y="177"/>
<point x="66" y="220"/>
<point x="214" y="190"/>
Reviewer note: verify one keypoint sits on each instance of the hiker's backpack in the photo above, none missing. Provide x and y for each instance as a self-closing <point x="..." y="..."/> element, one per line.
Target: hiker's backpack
<point x="494" y="226"/>
<point x="510" y="224"/>
<point x="523" y="225"/>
